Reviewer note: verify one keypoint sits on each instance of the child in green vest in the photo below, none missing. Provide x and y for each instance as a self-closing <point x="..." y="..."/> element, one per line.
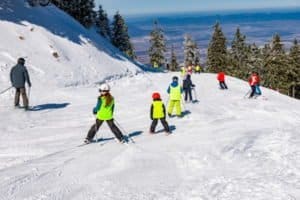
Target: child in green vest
<point x="104" y="112"/>
<point x="158" y="112"/>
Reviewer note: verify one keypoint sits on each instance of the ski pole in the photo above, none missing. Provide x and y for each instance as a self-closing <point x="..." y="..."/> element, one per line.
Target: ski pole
<point x="182" y="103"/>
<point x="124" y="131"/>
<point x="29" y="95"/>
<point x="195" y="94"/>
<point x="247" y="94"/>
<point x="6" y="90"/>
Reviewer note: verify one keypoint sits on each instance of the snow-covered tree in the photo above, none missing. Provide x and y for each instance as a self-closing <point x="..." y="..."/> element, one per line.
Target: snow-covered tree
<point x="255" y="60"/>
<point x="217" y="50"/>
<point x="239" y="56"/>
<point x="157" y="46"/>
<point x="191" y="51"/>
<point x="294" y="70"/>
<point x="173" y="63"/>
<point x="277" y="66"/>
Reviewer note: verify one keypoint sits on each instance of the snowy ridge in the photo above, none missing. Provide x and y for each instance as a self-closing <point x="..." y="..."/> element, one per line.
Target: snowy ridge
<point x="58" y="50"/>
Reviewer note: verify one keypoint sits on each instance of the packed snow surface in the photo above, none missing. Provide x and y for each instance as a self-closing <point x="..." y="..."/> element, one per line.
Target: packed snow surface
<point x="225" y="147"/>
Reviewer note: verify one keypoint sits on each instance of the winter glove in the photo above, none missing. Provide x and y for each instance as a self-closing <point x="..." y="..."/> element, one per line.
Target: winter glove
<point x="94" y="111"/>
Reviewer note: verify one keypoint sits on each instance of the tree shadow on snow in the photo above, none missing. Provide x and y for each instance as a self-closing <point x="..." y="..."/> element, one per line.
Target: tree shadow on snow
<point x="49" y="106"/>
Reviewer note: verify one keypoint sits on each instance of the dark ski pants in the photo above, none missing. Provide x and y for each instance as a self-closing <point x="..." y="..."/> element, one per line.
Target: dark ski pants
<point x="21" y="91"/>
<point x="253" y="89"/>
<point x="223" y="85"/>
<point x="163" y="122"/>
<point x="188" y="93"/>
<point x="93" y="130"/>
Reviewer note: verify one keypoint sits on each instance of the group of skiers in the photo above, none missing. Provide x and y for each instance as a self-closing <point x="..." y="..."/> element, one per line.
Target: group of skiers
<point x="104" y="108"/>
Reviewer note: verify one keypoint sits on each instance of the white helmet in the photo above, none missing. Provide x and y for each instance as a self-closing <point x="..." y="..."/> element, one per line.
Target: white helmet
<point x="104" y="87"/>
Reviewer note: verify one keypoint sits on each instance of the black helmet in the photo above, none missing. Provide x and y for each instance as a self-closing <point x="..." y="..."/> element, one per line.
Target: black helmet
<point x="21" y="61"/>
<point x="175" y="78"/>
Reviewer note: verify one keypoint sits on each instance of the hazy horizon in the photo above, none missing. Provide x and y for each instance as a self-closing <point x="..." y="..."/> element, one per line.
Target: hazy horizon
<point x="258" y="25"/>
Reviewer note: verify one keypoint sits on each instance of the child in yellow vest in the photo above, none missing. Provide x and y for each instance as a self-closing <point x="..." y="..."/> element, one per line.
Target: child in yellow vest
<point x="104" y="112"/>
<point x="175" y="91"/>
<point x="158" y="112"/>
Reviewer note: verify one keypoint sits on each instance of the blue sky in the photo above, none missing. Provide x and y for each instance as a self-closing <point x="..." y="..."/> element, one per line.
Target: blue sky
<point x="128" y="7"/>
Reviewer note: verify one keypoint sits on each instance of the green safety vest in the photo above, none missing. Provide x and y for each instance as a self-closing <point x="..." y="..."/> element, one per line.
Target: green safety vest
<point x="175" y="92"/>
<point x="158" y="111"/>
<point x="105" y="112"/>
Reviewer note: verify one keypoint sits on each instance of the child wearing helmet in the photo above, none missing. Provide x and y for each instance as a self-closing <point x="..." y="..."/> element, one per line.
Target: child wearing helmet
<point x="158" y="112"/>
<point x="104" y="112"/>
<point x="221" y="79"/>
<point x="175" y="91"/>
<point x="254" y="81"/>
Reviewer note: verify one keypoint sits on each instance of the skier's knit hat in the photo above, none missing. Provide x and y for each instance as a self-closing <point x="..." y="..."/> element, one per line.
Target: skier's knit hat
<point x="21" y="61"/>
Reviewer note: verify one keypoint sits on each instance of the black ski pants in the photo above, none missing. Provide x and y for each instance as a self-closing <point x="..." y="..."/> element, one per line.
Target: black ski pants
<point x="223" y="85"/>
<point x="188" y="93"/>
<point x="93" y="130"/>
<point x="253" y="88"/>
<point x="164" y="123"/>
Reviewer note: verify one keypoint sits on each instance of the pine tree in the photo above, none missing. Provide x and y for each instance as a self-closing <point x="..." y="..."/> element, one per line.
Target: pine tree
<point x="173" y="64"/>
<point x="81" y="10"/>
<point x="157" y="46"/>
<point x="102" y="23"/>
<point x="294" y="72"/>
<point x="120" y="37"/>
<point x="255" y="60"/>
<point x="277" y="66"/>
<point x="239" y="56"/>
<point x="86" y="14"/>
<point x="191" y="51"/>
<point x="217" y="51"/>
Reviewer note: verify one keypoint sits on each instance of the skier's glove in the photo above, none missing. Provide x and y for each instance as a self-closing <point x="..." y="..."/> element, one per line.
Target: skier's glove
<point x="94" y="111"/>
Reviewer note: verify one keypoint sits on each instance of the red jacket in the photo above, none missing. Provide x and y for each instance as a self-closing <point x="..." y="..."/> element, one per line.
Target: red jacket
<point x="254" y="80"/>
<point x="221" y="76"/>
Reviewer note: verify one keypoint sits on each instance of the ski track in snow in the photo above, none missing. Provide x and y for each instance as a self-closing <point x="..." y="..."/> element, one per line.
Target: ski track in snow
<point x="222" y="149"/>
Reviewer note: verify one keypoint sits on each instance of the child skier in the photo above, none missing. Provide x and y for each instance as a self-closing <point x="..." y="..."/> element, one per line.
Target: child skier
<point x="254" y="81"/>
<point x="104" y="112"/>
<point x="187" y="88"/>
<point x="175" y="91"/>
<point x="158" y="112"/>
<point x="221" y="79"/>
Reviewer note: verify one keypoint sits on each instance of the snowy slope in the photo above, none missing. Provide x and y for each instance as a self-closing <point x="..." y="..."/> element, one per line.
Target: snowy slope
<point x="227" y="148"/>
<point x="58" y="50"/>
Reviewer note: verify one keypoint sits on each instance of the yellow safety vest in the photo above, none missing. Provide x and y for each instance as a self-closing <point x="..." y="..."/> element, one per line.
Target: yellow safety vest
<point x="175" y="93"/>
<point x="158" y="111"/>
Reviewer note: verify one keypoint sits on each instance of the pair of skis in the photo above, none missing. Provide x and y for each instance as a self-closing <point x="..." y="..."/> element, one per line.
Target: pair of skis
<point x="128" y="141"/>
